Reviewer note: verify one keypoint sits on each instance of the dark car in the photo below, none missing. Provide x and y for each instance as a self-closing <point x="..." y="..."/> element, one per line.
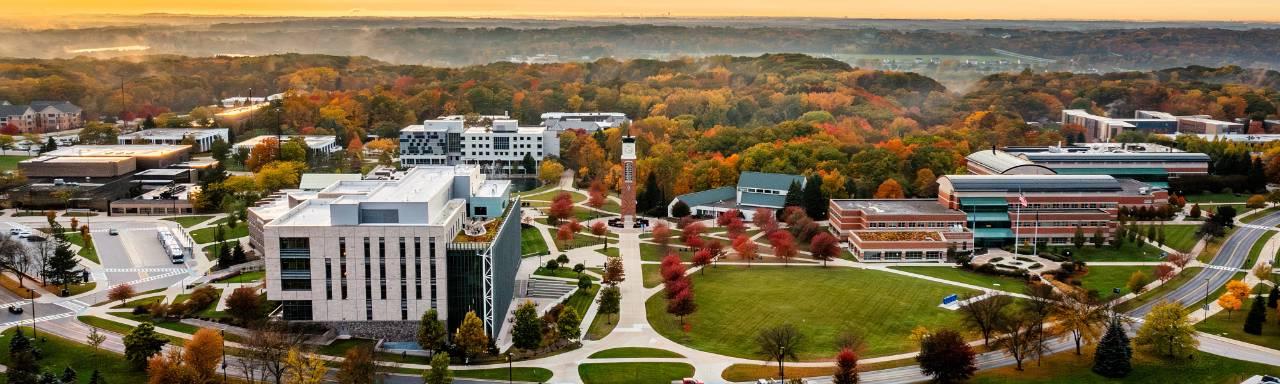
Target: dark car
<point x="16" y="310"/>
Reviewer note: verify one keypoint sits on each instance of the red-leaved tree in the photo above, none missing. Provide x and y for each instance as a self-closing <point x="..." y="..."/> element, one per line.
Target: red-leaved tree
<point x="702" y="258"/>
<point x="764" y="220"/>
<point x="596" y="195"/>
<point x="784" y="245"/>
<point x="671" y="267"/>
<point x="600" y="229"/>
<point x="691" y="235"/>
<point x="1164" y="272"/>
<point x="681" y="304"/>
<point x="662" y="236"/>
<point x="846" y="367"/>
<point x="824" y="246"/>
<point x="561" y="207"/>
<point x="745" y="247"/>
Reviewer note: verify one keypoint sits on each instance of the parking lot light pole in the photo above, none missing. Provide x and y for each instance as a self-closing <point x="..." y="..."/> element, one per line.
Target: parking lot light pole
<point x="31" y="293"/>
<point x="223" y="333"/>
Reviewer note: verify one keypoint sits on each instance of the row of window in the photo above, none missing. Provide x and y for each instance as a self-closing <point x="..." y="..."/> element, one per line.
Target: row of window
<point x="913" y="224"/>
<point x="899" y="255"/>
<point x="1064" y="223"/>
<point x="296" y="274"/>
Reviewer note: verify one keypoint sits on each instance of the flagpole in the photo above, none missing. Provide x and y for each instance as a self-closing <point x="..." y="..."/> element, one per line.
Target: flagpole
<point x="1035" y="241"/>
<point x="1017" y="222"/>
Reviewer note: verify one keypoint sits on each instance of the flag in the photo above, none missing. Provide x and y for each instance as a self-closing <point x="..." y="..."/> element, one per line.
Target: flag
<point x="1022" y="199"/>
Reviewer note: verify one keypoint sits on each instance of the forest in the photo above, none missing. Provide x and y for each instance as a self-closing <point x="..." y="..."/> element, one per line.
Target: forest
<point x="698" y="121"/>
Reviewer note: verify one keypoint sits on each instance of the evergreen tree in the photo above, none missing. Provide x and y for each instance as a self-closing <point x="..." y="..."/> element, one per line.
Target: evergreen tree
<point x="814" y="203"/>
<point x="795" y="196"/>
<point x="237" y="254"/>
<point x="149" y="122"/>
<point x="46" y="377"/>
<point x="49" y="145"/>
<point x="1273" y="296"/>
<point x="680" y="209"/>
<point x="529" y="164"/>
<point x="22" y="366"/>
<point x="61" y="266"/>
<point x="1257" y="177"/>
<point x="142" y="343"/>
<point x="96" y="378"/>
<point x="651" y="198"/>
<point x="1112" y="358"/>
<point x="1257" y="316"/>
<point x="68" y="375"/>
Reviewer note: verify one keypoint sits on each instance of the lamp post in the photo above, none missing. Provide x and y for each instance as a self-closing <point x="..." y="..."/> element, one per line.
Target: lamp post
<point x="782" y="370"/>
<point x="31" y="293"/>
<point x="1206" y="297"/>
<point x="509" y="366"/>
<point x="223" y="333"/>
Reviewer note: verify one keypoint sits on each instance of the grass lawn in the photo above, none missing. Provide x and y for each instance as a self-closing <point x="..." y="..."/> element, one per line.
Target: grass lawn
<point x="959" y="275"/>
<point x="76" y="289"/>
<point x="634" y="353"/>
<point x="735" y="303"/>
<point x="1218" y="198"/>
<point x="206" y="235"/>
<point x="653" y="252"/>
<point x="89" y="253"/>
<point x="9" y="163"/>
<point x="59" y="353"/>
<point x="581" y="300"/>
<point x="244" y="277"/>
<point x="1068" y="368"/>
<point x="339" y="347"/>
<point x="652" y="275"/>
<point x="563" y="271"/>
<point x="1130" y="251"/>
<point x="579" y="240"/>
<point x="751" y="372"/>
<point x="531" y="241"/>
<point x="122" y="328"/>
<point x="143" y="302"/>
<point x="611" y="206"/>
<point x="211" y="251"/>
<point x="1104" y="278"/>
<point x="170" y="325"/>
<point x="580" y="213"/>
<point x="1181" y="237"/>
<point x="1258" y="215"/>
<point x="550" y="195"/>
<point x="528" y="374"/>
<point x="539" y="191"/>
<point x="1256" y="250"/>
<point x="188" y="221"/>
<point x="1223" y="289"/>
<point x="601" y="326"/>
<point x="1183" y="277"/>
<point x="611" y="252"/>
<point x="633" y="373"/>
<point x="1232" y="326"/>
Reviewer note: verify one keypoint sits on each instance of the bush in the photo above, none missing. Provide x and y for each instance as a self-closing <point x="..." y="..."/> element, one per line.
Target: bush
<point x="140" y="310"/>
<point x="1026" y="259"/>
<point x="996" y="259"/>
<point x="1035" y="266"/>
<point x="552" y="265"/>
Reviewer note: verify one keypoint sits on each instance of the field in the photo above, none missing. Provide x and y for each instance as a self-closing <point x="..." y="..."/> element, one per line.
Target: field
<point x="633" y="373"/>
<point x="634" y="353"/>
<point x="651" y="274"/>
<point x="188" y="221"/>
<point x="86" y="252"/>
<point x="1003" y="283"/>
<point x="1105" y="278"/>
<point x="1068" y="368"/>
<point x="1130" y="251"/>
<point x="1182" y="278"/>
<point x="527" y="374"/>
<point x="1232" y="326"/>
<point x="735" y="303"/>
<point x="531" y="241"/>
<point x="601" y="326"/>
<point x="9" y="162"/>
<point x="206" y="235"/>
<point x="1181" y="237"/>
<point x="59" y="353"/>
<point x="1217" y="198"/>
<point x="244" y="277"/>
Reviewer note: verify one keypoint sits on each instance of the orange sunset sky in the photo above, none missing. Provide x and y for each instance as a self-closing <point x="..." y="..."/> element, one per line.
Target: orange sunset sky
<point x="1216" y="10"/>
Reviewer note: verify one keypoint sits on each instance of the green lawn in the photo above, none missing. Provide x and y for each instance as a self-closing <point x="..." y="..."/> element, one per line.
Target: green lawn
<point x="959" y="275"/>
<point x="10" y="162"/>
<point x="1130" y="251"/>
<point x="86" y="252"/>
<point x="735" y="303"/>
<point x="1256" y="249"/>
<point x="211" y="250"/>
<point x="76" y="289"/>
<point x="633" y="373"/>
<point x="601" y="326"/>
<point x="1258" y="215"/>
<point x="653" y="252"/>
<point x="170" y="325"/>
<point x="1218" y="198"/>
<point x="1067" y="368"/>
<point x="1105" y="278"/>
<point x="122" y="328"/>
<point x="1183" y="277"/>
<point x="580" y="213"/>
<point x="563" y="271"/>
<point x="528" y="374"/>
<point x="580" y="240"/>
<point x="188" y="221"/>
<point x="1181" y="237"/>
<point x="143" y="302"/>
<point x="245" y="277"/>
<point x="539" y="191"/>
<point x="1233" y="327"/>
<point x="581" y="300"/>
<point x="634" y="353"/>
<point x="651" y="273"/>
<point x="531" y="241"/>
<point x="551" y="195"/>
<point x="59" y="353"/>
<point x="206" y="235"/>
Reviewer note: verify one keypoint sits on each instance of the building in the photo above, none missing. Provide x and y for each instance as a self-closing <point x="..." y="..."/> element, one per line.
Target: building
<point x="202" y="138"/>
<point x="1003" y="208"/>
<point x="1203" y="124"/>
<point x="587" y="121"/>
<point x="318" y="181"/>
<point x="1235" y="137"/>
<point x="1153" y="164"/>
<point x="754" y="190"/>
<point x="900" y="230"/>
<point x="103" y="161"/>
<point x="320" y="145"/>
<point x="371" y="256"/>
<point x="1103" y="129"/>
<point x="498" y="144"/>
<point x="41" y="116"/>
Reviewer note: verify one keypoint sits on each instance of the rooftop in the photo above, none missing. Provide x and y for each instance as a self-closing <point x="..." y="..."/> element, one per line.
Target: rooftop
<point x="144" y="150"/>
<point x="998" y="161"/>
<point x="313" y="141"/>
<point x="1114" y="156"/>
<point x="895" y="206"/>
<point x="318" y="181"/>
<point x="176" y="133"/>
<point x="419" y="185"/>
<point x="493" y="188"/>
<point x="708" y="196"/>
<point x="768" y="180"/>
<point x="1033" y="183"/>
<point x="76" y="159"/>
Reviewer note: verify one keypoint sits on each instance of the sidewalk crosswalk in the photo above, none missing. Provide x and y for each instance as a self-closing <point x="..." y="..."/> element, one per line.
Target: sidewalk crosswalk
<point x="74" y="305"/>
<point x="29" y="321"/>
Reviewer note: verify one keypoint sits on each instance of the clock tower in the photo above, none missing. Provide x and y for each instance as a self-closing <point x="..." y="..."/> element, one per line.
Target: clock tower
<point x="628" y="177"/>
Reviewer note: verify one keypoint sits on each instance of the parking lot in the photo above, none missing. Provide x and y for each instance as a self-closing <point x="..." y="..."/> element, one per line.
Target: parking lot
<point x="135" y="255"/>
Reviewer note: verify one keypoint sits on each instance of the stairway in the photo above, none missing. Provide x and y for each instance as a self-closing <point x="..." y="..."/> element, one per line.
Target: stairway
<point x="547" y="289"/>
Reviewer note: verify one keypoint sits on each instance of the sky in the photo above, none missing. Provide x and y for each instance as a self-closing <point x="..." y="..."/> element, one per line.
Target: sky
<point x="1152" y="10"/>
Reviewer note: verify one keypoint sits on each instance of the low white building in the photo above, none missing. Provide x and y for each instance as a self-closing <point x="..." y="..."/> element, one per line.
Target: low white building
<point x="498" y="144"/>
<point x="319" y="144"/>
<point x="371" y="256"/>
<point x="203" y="137"/>
<point x="587" y="121"/>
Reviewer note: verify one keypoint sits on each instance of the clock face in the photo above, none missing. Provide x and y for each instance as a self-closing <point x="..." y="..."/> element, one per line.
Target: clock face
<point x="629" y="150"/>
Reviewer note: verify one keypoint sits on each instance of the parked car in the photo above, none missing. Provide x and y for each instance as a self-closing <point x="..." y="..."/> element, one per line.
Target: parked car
<point x="14" y="231"/>
<point x="22" y="234"/>
<point x="113" y="232"/>
<point x="16" y="310"/>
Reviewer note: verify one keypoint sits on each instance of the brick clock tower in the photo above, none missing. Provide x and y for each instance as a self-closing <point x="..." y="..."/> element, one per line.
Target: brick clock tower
<point x="628" y="177"/>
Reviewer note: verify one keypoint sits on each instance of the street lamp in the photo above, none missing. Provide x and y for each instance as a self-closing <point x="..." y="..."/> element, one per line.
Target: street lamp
<point x="508" y="366"/>
<point x="31" y="293"/>
<point x="782" y="370"/>
<point x="1206" y="297"/>
<point x="223" y="333"/>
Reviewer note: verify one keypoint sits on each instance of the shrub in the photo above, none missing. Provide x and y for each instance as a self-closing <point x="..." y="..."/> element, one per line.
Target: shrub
<point x="140" y="310"/>
<point x="997" y="259"/>
<point x="552" y="265"/>
<point x="1035" y="266"/>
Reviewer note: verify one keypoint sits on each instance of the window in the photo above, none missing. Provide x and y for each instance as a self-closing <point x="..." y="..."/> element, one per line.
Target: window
<point x="404" y="285"/>
<point x="431" y="265"/>
<point x="368" y="281"/>
<point x="417" y="267"/>
<point x="328" y="279"/>
<point x="299" y="310"/>
<point x="379" y="216"/>
<point x="481" y="211"/>
<point x="382" y="267"/>
<point x="342" y="265"/>
<point x="294" y="243"/>
<point x="502" y="143"/>
<point x="295" y="284"/>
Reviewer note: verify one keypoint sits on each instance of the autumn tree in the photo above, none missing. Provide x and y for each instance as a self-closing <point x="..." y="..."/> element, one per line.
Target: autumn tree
<point x="779" y="343"/>
<point x="1167" y="331"/>
<point x="1079" y="316"/>
<point x="702" y="258"/>
<point x="470" y="336"/>
<point x="120" y="293"/>
<point x="691" y="235"/>
<point x="550" y="171"/>
<point x="305" y="368"/>
<point x="1138" y="281"/>
<point x="682" y="304"/>
<point x="561" y="208"/>
<point x="596" y="195"/>
<point x="846" y="367"/>
<point x="671" y="267"/>
<point x="245" y="305"/>
<point x="745" y="247"/>
<point x="1019" y="335"/>
<point x="1238" y="289"/>
<point x="203" y="353"/>
<point x="946" y="357"/>
<point x="566" y="232"/>
<point x="1164" y="272"/>
<point x="167" y="368"/>
<point x="613" y="272"/>
<point x="784" y="245"/>
<point x="662" y="236"/>
<point x="824" y="246"/>
<point x="890" y="189"/>
<point x="764" y="220"/>
<point x="358" y="366"/>
<point x="984" y="315"/>
<point x="1229" y="302"/>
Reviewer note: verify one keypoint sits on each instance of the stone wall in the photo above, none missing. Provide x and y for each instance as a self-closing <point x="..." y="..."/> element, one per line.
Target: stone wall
<point x="386" y="330"/>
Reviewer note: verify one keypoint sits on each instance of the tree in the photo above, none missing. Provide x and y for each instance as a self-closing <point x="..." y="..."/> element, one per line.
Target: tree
<point x="529" y="165"/>
<point x="96" y="378"/>
<point x="745" y="247"/>
<point x="358" y="366"/>
<point x="1257" y="316"/>
<point x="439" y="372"/>
<point x="203" y="353"/>
<point x="526" y="334"/>
<point x="1080" y="316"/>
<point x="815" y="203"/>
<point x="613" y="272"/>
<point x="1255" y="202"/>
<point x="610" y="300"/>
<point x="245" y="305"/>
<point x="22" y="366"/>
<point x="1078" y="238"/>
<point x="1098" y="239"/>
<point x="561" y="208"/>
<point x="795" y="195"/>
<point x="569" y="324"/>
<point x="1178" y="259"/>
<point x="1114" y="354"/>
<point x="61" y="266"/>
<point x="764" y="220"/>
<point x="1238" y="289"/>
<point x="599" y="229"/>
<point x="662" y="236"/>
<point x="984" y="315"/>
<point x="779" y="343"/>
<point x="68" y="376"/>
<point x="470" y="336"/>
<point x="142" y="343"/>
<point x="220" y="149"/>
<point x="691" y="235"/>
<point x="1195" y="211"/>
<point x="1262" y="271"/>
<point x="846" y="367"/>
<point x="946" y="357"/>
<point x="96" y="339"/>
<point x="432" y="333"/>
<point x="1273" y="297"/>
<point x="549" y="171"/>
<point x="1166" y="330"/>
<point x="784" y="246"/>
<point x="680" y="209"/>
<point x="1164" y="272"/>
<point x="890" y="189"/>
<point x="824" y="246"/>
<point x="702" y="258"/>
<point x="1137" y="281"/>
<point x="681" y="304"/>
<point x="267" y="348"/>
<point x="1019" y="335"/>
<point x="167" y="368"/>
<point x="305" y="368"/>
<point x="120" y="293"/>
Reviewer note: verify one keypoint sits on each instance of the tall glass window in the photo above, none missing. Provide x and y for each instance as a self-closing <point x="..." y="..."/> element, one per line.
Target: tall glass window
<point x="368" y="281"/>
<point x="417" y="267"/>
<point x="342" y="265"/>
<point x="382" y="268"/>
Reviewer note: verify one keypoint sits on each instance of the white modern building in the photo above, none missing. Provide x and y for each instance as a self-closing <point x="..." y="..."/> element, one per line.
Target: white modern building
<point x="318" y="144"/>
<point x="587" y="121"/>
<point x="1103" y="128"/>
<point x="203" y="137"/>
<point x="498" y="144"/>
<point x="369" y="257"/>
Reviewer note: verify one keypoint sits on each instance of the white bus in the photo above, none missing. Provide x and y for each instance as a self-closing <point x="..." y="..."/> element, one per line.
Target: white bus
<point x="171" y="245"/>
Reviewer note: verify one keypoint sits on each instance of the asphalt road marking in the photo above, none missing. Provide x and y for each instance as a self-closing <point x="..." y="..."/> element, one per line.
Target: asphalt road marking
<point x="37" y="320"/>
